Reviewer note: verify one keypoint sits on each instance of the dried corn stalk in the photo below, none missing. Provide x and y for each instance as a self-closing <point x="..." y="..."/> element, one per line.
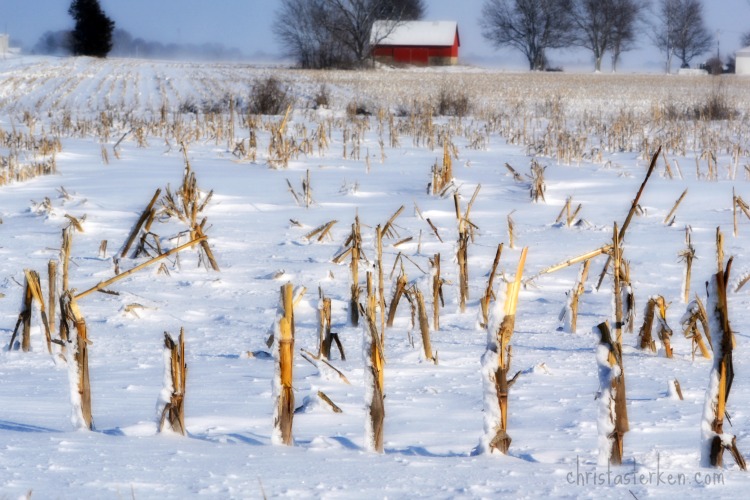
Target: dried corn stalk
<point x="613" y="416"/>
<point x="283" y="349"/>
<point x="695" y="327"/>
<point x="715" y="440"/>
<point x="687" y="256"/>
<point x="78" y="367"/>
<point x="374" y="361"/>
<point x="172" y="399"/>
<point x="496" y="366"/>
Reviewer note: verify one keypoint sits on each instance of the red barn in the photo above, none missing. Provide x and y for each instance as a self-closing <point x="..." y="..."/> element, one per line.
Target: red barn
<point x="424" y="43"/>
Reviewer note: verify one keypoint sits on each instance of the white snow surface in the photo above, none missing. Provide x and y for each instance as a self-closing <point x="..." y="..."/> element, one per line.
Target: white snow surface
<point x="434" y="413"/>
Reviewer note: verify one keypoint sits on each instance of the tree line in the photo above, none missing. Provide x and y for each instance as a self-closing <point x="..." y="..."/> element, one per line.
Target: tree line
<point x="676" y="27"/>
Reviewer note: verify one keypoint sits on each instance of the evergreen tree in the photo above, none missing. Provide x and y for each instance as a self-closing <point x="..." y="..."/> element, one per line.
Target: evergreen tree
<point x="92" y="35"/>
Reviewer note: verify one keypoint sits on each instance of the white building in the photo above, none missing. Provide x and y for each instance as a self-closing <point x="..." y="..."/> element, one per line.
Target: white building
<point x="4" y="40"/>
<point x="742" y="61"/>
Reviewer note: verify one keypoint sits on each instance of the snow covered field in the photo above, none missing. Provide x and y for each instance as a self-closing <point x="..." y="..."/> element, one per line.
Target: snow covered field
<point x="590" y="131"/>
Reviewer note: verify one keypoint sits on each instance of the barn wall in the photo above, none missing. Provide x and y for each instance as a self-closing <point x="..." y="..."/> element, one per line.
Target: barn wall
<point x="420" y="56"/>
<point x="742" y="65"/>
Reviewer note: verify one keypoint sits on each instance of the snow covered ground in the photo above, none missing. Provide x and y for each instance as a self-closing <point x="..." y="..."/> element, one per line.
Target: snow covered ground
<point x="434" y="413"/>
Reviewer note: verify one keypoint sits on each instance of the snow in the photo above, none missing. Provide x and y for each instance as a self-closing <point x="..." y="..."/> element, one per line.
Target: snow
<point x="434" y="413"/>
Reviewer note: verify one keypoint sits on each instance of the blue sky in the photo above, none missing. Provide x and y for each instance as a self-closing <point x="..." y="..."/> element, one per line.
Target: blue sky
<point x="245" y="24"/>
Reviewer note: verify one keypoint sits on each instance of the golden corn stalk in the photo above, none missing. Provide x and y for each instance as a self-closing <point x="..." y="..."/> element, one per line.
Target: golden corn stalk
<point x="173" y="414"/>
<point x="284" y="411"/>
<point x="656" y="309"/>
<point x="67" y="241"/>
<point x="32" y="292"/>
<point x="499" y="343"/>
<point x="374" y="366"/>
<point x="716" y="441"/>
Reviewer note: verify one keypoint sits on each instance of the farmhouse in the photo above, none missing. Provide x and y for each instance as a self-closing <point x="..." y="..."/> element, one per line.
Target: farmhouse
<point x="424" y="43"/>
<point x="742" y="61"/>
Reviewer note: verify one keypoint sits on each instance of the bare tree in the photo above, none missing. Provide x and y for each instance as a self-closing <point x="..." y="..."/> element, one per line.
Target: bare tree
<point x="335" y="33"/>
<point x="604" y="25"/>
<point x="298" y="27"/>
<point x="594" y="20"/>
<point x="680" y="30"/>
<point x="745" y="41"/>
<point x="627" y="26"/>
<point x="531" y="26"/>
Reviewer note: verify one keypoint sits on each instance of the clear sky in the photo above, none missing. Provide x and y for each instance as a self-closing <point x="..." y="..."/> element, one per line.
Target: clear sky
<point x="245" y="24"/>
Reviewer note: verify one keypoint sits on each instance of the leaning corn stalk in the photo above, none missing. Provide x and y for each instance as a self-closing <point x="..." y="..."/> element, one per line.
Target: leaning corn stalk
<point x="656" y="309"/>
<point x="631" y="213"/>
<point x="496" y="366"/>
<point x="424" y="326"/>
<point x="693" y="321"/>
<point x="398" y="291"/>
<point x="284" y="353"/>
<point x="32" y="292"/>
<point x="148" y="213"/>
<point x="78" y="367"/>
<point x="715" y="440"/>
<point x="172" y="397"/>
<point x="489" y="293"/>
<point x="612" y="423"/>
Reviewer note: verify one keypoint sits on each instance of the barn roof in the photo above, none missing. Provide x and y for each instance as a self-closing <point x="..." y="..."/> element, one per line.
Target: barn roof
<point x="421" y="33"/>
<point x="743" y="52"/>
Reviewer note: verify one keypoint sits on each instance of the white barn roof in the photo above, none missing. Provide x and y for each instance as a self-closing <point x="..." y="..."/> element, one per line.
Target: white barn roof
<point x="423" y="33"/>
<point x="743" y="52"/>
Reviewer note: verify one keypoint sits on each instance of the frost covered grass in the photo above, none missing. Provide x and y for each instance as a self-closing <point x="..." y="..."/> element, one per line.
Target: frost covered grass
<point x="593" y="133"/>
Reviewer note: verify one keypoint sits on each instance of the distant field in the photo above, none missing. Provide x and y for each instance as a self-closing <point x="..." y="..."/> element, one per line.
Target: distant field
<point x="95" y="85"/>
